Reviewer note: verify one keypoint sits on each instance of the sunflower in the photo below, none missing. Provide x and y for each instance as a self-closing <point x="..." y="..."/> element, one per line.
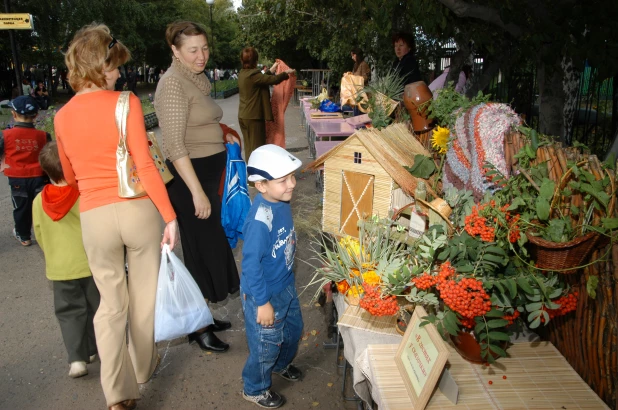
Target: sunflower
<point x="439" y="139"/>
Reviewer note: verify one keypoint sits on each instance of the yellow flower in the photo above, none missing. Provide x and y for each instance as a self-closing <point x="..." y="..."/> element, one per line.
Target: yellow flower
<point x="352" y="245"/>
<point x="371" y="278"/>
<point x="356" y="291"/>
<point x="439" y="139"/>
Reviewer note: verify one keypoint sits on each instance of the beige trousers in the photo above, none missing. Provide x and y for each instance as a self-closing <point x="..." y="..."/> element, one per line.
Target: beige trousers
<point x="107" y="231"/>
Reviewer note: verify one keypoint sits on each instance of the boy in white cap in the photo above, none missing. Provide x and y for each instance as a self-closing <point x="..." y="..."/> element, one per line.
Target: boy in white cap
<point x="273" y="320"/>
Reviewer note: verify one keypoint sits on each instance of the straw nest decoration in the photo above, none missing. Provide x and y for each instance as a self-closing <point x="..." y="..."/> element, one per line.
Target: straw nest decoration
<point x="588" y="339"/>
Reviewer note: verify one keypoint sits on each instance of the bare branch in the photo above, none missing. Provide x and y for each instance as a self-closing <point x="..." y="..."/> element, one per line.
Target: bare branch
<point x="488" y="14"/>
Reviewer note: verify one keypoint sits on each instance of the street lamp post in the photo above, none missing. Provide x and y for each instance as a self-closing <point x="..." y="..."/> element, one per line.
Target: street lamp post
<point x="212" y="40"/>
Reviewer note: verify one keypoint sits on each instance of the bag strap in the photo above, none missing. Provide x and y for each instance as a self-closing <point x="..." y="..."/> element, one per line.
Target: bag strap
<point x="122" y="112"/>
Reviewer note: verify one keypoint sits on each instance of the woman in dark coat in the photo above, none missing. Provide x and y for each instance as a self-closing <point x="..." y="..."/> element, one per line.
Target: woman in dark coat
<point x="254" y="108"/>
<point x="405" y="63"/>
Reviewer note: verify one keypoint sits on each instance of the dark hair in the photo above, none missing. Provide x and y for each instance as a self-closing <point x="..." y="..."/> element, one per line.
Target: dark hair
<point x="175" y="30"/>
<point x="360" y="57"/>
<point x="249" y="57"/>
<point x="50" y="161"/>
<point x="406" y="38"/>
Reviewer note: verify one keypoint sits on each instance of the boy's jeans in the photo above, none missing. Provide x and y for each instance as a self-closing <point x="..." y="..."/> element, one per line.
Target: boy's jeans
<point x="270" y="348"/>
<point x="23" y="191"/>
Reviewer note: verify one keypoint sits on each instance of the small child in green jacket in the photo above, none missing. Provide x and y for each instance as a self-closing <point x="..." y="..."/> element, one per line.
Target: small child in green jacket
<point x="55" y="214"/>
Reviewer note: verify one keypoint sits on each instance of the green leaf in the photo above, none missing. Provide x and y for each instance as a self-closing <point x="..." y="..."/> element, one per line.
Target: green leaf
<point x="499" y="336"/>
<point x="609" y="223"/>
<point x="510" y="283"/>
<point x="423" y="167"/>
<point x="547" y="189"/>
<point x="496" y="250"/>
<point x="542" y="208"/>
<point x="497" y="349"/>
<point x="495" y="323"/>
<point x="574" y="210"/>
<point x="494" y="258"/>
<point x="535" y="323"/>
<point x="494" y="313"/>
<point x="591" y="286"/>
<point x="516" y="203"/>
<point x="524" y="285"/>
<point x="534" y="306"/>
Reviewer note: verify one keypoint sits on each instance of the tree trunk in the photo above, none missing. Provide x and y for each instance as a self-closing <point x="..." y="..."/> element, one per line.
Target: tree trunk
<point x="551" y="100"/>
<point x="570" y="85"/>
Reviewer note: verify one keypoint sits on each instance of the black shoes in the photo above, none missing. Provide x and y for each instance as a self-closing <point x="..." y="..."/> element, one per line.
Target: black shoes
<point x="219" y="326"/>
<point x="290" y="373"/>
<point x="209" y="342"/>
<point x="268" y="399"/>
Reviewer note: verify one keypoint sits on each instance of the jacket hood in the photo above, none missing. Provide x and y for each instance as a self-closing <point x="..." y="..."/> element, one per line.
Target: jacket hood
<point x="58" y="200"/>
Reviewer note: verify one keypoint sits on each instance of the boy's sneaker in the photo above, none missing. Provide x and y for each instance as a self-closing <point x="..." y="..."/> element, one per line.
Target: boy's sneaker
<point x="94" y="358"/>
<point x="268" y="399"/>
<point x="290" y="373"/>
<point x="78" y="369"/>
<point x="26" y="242"/>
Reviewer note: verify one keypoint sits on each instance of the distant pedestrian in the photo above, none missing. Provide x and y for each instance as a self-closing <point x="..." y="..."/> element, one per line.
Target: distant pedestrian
<point x="132" y="81"/>
<point x="57" y="228"/>
<point x="21" y="146"/>
<point x="273" y="320"/>
<point x="151" y="73"/>
<point x="41" y="95"/>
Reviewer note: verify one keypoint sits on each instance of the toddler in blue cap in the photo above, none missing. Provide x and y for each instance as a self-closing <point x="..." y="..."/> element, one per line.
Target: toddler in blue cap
<point x="20" y="147"/>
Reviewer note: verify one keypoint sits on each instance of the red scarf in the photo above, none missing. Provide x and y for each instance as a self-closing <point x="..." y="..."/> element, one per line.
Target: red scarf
<point x="58" y="200"/>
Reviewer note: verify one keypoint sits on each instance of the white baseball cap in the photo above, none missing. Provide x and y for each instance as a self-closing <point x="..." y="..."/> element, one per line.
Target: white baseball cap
<point x="270" y="162"/>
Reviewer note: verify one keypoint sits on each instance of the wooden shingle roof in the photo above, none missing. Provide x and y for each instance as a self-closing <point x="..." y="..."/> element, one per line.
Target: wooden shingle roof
<point x="394" y="147"/>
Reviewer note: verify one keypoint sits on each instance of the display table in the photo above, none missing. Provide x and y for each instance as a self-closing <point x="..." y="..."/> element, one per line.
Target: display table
<point x="355" y="341"/>
<point x="537" y="377"/>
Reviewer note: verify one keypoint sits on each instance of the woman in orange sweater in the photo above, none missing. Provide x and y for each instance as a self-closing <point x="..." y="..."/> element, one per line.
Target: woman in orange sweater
<point x="87" y="140"/>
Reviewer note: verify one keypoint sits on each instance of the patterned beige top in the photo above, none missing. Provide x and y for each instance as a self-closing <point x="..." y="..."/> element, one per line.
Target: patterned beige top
<point x="187" y="115"/>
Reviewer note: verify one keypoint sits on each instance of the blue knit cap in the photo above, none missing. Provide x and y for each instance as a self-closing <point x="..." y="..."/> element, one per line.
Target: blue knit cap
<point x="25" y="105"/>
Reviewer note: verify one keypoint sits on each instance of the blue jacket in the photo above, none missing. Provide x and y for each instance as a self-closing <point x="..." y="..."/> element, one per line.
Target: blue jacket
<point x="236" y="202"/>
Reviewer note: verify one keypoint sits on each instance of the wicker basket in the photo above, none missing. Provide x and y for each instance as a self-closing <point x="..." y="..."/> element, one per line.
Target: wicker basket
<point x="562" y="257"/>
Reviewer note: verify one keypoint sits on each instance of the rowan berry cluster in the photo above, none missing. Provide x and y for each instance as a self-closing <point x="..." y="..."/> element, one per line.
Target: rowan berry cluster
<point x="475" y="224"/>
<point x="376" y="304"/>
<point x="567" y="304"/>
<point x="511" y="318"/>
<point x="425" y="281"/>
<point x="466" y="297"/>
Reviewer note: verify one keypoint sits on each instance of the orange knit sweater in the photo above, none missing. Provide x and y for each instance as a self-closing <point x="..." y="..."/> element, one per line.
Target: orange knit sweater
<point x="87" y="140"/>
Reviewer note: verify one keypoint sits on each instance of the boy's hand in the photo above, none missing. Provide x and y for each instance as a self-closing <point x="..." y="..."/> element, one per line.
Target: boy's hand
<point x="266" y="315"/>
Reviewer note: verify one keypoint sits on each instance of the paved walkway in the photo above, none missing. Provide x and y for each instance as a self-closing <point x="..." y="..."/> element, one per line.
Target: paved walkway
<point x="33" y="367"/>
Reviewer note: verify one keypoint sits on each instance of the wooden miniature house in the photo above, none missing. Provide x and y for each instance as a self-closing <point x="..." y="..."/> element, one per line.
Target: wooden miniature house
<point x="365" y="175"/>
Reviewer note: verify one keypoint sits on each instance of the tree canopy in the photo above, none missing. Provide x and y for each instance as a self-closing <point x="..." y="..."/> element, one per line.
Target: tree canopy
<point x="139" y="24"/>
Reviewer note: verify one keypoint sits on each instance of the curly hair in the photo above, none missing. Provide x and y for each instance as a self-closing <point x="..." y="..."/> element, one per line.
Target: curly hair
<point x="92" y="51"/>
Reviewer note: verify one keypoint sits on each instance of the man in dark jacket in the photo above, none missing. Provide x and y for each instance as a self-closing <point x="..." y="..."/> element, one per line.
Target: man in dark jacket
<point x="405" y="63"/>
<point x="254" y="107"/>
<point x="132" y="81"/>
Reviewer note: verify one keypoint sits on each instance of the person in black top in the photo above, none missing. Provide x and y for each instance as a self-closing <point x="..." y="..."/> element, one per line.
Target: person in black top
<point x="132" y="80"/>
<point x="405" y="63"/>
<point x="41" y="95"/>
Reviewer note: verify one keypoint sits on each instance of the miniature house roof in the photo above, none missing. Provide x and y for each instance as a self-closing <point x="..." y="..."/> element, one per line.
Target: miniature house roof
<point x="394" y="147"/>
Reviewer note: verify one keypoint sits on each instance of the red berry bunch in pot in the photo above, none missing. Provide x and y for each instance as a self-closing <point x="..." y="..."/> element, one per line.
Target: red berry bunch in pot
<point x="567" y="304"/>
<point x="424" y="281"/>
<point x="376" y="304"/>
<point x="466" y="297"/>
<point x="511" y="318"/>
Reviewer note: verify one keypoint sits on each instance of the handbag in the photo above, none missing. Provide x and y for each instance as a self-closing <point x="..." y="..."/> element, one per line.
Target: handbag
<point x="129" y="183"/>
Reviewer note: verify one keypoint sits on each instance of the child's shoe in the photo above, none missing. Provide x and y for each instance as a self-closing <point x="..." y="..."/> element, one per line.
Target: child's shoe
<point x="290" y="373"/>
<point x="94" y="358"/>
<point x="268" y="399"/>
<point x="26" y="242"/>
<point x="78" y="369"/>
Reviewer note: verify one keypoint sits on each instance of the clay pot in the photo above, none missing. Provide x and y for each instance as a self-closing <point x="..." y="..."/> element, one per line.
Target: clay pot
<point x="414" y="95"/>
<point x="468" y="348"/>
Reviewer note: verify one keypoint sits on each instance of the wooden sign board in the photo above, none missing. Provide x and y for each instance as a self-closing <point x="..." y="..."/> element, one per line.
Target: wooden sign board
<point x="16" y="21"/>
<point x="420" y="358"/>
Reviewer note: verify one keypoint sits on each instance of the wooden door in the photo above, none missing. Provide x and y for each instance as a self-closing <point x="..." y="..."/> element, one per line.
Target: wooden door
<point x="356" y="200"/>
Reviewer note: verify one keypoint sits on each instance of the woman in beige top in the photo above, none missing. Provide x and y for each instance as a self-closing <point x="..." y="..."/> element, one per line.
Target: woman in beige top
<point x="196" y="155"/>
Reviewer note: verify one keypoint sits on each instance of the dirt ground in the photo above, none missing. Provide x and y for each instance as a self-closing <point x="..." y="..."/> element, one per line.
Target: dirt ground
<point x="33" y="363"/>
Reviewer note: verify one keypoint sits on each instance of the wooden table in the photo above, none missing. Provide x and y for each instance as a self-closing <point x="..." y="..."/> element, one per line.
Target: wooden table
<point x="537" y="377"/>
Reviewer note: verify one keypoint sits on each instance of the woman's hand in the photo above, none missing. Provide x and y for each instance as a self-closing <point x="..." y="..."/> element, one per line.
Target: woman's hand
<point x="202" y="205"/>
<point x="290" y="71"/>
<point x="170" y="234"/>
<point x="232" y="139"/>
<point x="274" y="67"/>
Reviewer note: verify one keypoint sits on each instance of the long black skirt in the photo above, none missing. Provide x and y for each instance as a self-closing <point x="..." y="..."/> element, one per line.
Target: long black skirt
<point x="206" y="251"/>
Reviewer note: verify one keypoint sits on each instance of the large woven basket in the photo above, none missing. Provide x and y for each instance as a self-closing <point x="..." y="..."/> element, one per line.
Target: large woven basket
<point x="562" y="257"/>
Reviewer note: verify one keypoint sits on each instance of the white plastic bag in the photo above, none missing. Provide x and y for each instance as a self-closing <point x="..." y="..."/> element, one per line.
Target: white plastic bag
<point x="180" y="308"/>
